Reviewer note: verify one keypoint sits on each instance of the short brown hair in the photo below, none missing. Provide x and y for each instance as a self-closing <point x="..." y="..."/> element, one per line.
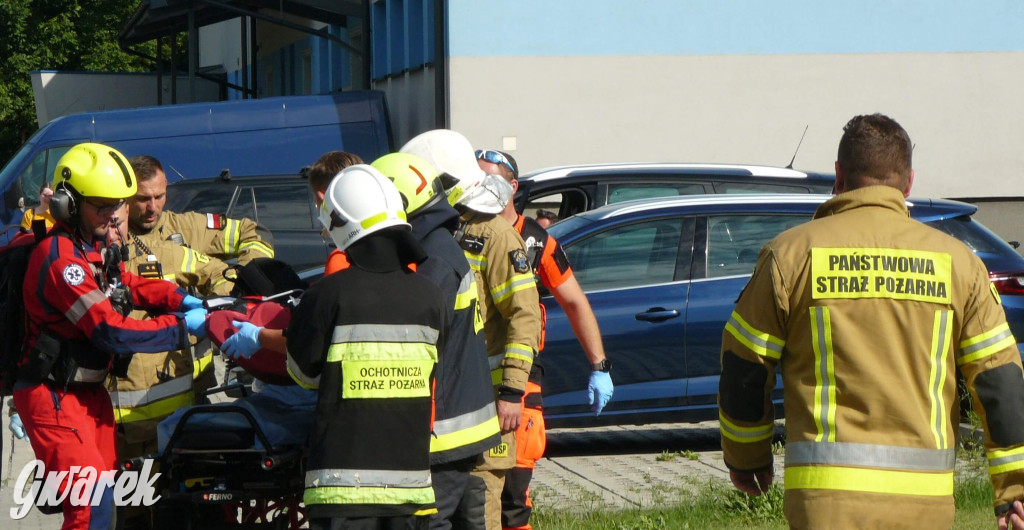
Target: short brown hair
<point x="145" y="167"/>
<point x="875" y="150"/>
<point x="328" y="166"/>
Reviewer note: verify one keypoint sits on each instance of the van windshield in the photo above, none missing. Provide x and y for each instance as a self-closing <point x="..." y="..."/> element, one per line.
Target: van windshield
<point x="10" y="171"/>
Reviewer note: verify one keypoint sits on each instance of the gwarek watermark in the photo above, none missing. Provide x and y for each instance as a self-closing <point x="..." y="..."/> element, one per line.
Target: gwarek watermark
<point x="83" y="486"/>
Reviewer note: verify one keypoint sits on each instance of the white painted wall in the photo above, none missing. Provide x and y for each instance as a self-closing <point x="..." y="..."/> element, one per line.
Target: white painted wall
<point x="963" y="110"/>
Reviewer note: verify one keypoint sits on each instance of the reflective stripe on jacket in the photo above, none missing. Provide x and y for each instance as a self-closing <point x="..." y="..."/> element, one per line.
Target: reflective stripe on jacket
<point x="373" y="364"/>
<point x="508" y="291"/>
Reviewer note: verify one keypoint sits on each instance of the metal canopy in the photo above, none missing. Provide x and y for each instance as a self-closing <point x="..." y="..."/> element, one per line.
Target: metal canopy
<point x="160" y="18"/>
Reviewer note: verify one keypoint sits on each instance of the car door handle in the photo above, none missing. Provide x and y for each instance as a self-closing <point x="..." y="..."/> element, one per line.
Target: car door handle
<point x="657" y="314"/>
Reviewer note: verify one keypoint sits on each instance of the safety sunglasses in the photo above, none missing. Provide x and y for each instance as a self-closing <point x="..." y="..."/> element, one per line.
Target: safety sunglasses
<point x="106" y="208"/>
<point x="495" y="157"/>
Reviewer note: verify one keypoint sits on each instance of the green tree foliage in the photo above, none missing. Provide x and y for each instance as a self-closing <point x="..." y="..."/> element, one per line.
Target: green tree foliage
<point x="55" y="35"/>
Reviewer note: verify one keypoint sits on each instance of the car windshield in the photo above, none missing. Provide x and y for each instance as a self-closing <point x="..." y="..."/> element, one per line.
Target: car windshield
<point x="569" y="224"/>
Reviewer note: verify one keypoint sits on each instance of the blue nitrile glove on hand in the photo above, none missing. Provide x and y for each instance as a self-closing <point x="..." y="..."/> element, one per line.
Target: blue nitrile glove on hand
<point x="189" y="303"/>
<point x="16" y="426"/>
<point x="600" y="384"/>
<point x="245" y="341"/>
<point x="195" y="321"/>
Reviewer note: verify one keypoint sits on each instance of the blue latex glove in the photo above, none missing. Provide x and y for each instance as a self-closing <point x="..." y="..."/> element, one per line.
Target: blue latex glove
<point x="600" y="384"/>
<point x="245" y="341"/>
<point x="189" y="303"/>
<point x="195" y="321"/>
<point x="17" y="427"/>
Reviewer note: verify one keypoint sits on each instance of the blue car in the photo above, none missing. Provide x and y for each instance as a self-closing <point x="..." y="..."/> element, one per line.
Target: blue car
<point x="663" y="276"/>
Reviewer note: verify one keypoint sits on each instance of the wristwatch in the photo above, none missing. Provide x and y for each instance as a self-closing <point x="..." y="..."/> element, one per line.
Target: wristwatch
<point x="603" y="366"/>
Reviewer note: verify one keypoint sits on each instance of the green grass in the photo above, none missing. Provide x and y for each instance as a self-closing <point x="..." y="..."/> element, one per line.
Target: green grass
<point x="716" y="504"/>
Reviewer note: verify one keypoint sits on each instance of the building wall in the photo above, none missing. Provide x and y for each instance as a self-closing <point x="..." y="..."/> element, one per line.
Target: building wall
<point x="61" y="93"/>
<point x="582" y="81"/>
<point x="410" y="98"/>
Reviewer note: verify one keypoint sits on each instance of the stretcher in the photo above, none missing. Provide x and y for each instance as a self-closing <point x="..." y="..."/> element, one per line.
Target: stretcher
<point x="236" y="465"/>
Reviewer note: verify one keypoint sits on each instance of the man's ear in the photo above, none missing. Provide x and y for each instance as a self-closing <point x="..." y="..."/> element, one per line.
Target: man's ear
<point x="910" y="183"/>
<point x="319" y="196"/>
<point x="515" y="186"/>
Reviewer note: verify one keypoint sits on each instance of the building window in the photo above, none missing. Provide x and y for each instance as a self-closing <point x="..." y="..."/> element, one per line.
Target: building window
<point x="307" y="71"/>
<point x="269" y="89"/>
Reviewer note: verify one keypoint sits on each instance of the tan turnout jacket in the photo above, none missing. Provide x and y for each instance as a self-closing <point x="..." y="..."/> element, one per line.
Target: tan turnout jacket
<point x="160" y="383"/>
<point x="869" y="315"/>
<point x="510" y="309"/>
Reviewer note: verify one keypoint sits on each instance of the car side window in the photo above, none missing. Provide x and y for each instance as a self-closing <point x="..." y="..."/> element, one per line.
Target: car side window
<point x="565" y="202"/>
<point x="629" y="192"/>
<point x="634" y="255"/>
<point x="756" y="187"/>
<point x="734" y="241"/>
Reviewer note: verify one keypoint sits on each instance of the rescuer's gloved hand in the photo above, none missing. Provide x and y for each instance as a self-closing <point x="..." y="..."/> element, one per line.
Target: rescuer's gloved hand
<point x="601" y="385"/>
<point x="189" y="303"/>
<point x="245" y="341"/>
<point x="195" y="321"/>
<point x="17" y="427"/>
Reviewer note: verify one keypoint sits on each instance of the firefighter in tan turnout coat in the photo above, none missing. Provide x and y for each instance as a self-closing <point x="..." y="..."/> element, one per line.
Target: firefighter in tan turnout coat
<point x="869" y="315"/>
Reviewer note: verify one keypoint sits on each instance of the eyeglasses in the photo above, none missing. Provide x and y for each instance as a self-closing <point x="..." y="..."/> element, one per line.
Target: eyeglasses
<point x="106" y="208"/>
<point x="495" y="157"/>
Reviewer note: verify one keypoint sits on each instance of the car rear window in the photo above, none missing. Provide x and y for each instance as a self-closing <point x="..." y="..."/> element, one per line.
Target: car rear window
<point x="976" y="237"/>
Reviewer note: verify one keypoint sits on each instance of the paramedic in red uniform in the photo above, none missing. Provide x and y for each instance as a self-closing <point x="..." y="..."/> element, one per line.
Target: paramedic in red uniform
<point x="76" y="295"/>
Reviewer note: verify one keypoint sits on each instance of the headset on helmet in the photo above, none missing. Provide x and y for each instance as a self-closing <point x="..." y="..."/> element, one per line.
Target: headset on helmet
<point x="451" y="153"/>
<point x="358" y="202"/>
<point x="416" y="180"/>
<point x="90" y="170"/>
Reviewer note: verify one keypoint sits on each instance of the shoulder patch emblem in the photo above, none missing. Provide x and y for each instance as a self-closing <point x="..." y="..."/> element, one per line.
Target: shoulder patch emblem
<point x="473" y="244"/>
<point x="74" y="274"/>
<point x="519" y="261"/>
<point x="151" y="270"/>
<point x="214" y="221"/>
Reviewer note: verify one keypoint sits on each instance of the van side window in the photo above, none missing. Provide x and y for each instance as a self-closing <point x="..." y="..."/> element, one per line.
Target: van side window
<point x="40" y="170"/>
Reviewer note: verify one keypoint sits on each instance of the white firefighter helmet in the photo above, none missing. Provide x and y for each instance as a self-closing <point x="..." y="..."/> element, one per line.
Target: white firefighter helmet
<point x="360" y="201"/>
<point x="451" y="153"/>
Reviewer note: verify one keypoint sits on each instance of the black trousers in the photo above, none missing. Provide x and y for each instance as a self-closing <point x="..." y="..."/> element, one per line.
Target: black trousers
<point x="451" y="480"/>
<point x="404" y="522"/>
